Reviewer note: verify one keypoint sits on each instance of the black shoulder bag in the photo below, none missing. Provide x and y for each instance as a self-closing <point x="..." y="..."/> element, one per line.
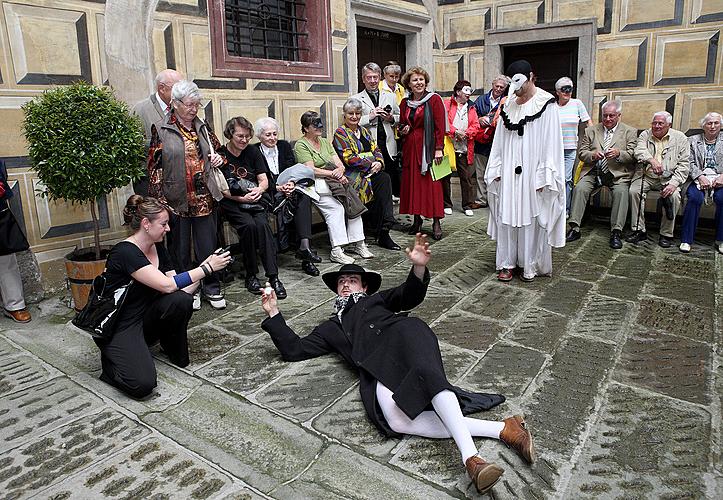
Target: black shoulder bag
<point x="100" y="314"/>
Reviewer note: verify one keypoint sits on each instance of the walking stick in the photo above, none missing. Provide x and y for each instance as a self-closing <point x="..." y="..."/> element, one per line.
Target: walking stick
<point x="641" y="202"/>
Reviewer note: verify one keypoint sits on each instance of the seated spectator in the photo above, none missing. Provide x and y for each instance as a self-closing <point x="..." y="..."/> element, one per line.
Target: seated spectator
<point x="247" y="202"/>
<point x="279" y="156"/>
<point x="158" y="304"/>
<point x="364" y="163"/>
<point x="664" y="157"/>
<point x="705" y="183"/>
<point x="341" y="213"/>
<point x="607" y="150"/>
<point x="11" y="283"/>
<point x="463" y="127"/>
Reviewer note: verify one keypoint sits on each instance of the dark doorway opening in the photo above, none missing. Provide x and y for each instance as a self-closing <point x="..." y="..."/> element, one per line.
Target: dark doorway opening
<point x="379" y="46"/>
<point x="550" y="61"/>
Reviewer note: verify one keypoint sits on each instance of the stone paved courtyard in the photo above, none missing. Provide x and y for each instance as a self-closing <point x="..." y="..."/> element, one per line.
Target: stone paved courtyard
<point x="615" y="360"/>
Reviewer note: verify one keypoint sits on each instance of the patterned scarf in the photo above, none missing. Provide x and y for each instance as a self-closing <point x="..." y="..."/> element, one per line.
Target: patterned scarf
<point x="341" y="302"/>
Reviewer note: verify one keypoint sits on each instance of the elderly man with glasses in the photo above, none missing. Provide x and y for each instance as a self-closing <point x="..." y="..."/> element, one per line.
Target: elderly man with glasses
<point x="607" y="150"/>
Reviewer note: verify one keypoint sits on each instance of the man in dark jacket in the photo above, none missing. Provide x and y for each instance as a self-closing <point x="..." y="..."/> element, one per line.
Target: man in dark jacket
<point x="402" y="382"/>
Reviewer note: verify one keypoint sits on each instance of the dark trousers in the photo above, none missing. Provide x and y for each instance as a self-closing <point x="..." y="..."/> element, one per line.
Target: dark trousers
<point x="302" y="218"/>
<point x="203" y="232"/>
<point x="380" y="215"/>
<point x="126" y="360"/>
<point x="393" y="169"/>
<point x="254" y="234"/>
<point x="692" y="212"/>
<point x="467" y="185"/>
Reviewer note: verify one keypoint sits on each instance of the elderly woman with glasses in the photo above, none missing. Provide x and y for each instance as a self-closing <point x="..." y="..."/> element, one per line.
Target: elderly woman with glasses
<point x="364" y="165"/>
<point x="705" y="180"/>
<point x="279" y="156"/>
<point x="245" y="205"/>
<point x="572" y="113"/>
<point x="181" y="155"/>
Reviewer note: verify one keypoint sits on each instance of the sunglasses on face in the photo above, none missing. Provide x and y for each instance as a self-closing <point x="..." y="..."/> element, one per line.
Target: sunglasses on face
<point x="566" y="89"/>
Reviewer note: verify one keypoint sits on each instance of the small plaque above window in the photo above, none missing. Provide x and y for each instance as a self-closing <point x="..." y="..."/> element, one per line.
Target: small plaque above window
<point x="271" y="39"/>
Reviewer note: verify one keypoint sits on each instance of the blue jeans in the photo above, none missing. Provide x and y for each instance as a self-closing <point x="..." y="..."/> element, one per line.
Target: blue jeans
<point x="570" y="155"/>
<point x="692" y="211"/>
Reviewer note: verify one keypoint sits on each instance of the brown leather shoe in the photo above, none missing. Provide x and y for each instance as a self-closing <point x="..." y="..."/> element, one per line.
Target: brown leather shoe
<point x="474" y="206"/>
<point x="484" y="475"/>
<point x="518" y="437"/>
<point x="20" y="316"/>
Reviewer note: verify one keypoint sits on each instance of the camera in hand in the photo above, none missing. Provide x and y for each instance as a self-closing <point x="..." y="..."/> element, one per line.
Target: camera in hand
<point x="317" y="123"/>
<point x="388" y="108"/>
<point x="199" y="185"/>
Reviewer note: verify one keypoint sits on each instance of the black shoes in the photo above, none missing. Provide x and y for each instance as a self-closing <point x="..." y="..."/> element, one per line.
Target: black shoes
<point x="253" y="285"/>
<point x="386" y="241"/>
<point x="278" y="287"/>
<point x="308" y="255"/>
<point x="615" y="242"/>
<point x="665" y="242"/>
<point x="573" y="234"/>
<point x="636" y="237"/>
<point x="309" y="268"/>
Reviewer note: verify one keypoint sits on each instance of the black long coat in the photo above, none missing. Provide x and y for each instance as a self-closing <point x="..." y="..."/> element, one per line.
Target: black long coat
<point x="385" y="345"/>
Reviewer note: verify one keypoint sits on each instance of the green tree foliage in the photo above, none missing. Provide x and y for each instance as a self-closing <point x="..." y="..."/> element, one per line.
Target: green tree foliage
<point x="83" y="143"/>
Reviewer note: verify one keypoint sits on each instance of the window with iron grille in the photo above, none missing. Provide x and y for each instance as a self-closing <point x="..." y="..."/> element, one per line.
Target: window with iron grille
<point x="271" y="39"/>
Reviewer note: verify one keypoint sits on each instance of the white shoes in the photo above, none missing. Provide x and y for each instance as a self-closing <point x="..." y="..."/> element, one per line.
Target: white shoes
<point x="197" y="301"/>
<point x="360" y="248"/>
<point x="719" y="246"/>
<point x="685" y="247"/>
<point x="469" y="213"/>
<point x="337" y="255"/>
<point x="448" y="211"/>
<point x="216" y="301"/>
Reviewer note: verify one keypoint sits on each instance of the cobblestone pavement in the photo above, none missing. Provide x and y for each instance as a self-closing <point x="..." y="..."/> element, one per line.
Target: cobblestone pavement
<point x="615" y="360"/>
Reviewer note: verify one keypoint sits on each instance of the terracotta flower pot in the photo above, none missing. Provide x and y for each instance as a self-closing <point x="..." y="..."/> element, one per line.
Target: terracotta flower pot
<point x="81" y="268"/>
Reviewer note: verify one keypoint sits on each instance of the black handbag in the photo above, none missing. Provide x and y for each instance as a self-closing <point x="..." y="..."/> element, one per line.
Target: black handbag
<point x="100" y="314"/>
<point x="12" y="238"/>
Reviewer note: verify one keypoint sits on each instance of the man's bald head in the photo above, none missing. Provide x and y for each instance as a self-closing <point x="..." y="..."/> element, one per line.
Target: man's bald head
<point x="165" y="80"/>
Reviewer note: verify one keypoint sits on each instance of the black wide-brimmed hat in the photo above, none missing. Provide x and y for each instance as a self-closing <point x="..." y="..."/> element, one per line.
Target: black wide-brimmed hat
<point x="372" y="280"/>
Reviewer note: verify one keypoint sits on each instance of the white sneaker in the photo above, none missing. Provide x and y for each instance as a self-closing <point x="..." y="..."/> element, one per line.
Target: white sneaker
<point x="395" y="199"/>
<point x="216" y="301"/>
<point x="360" y="248"/>
<point x="337" y="255"/>
<point x="720" y="247"/>
<point x="469" y="213"/>
<point x="197" y="301"/>
<point x="448" y="211"/>
<point x="685" y="247"/>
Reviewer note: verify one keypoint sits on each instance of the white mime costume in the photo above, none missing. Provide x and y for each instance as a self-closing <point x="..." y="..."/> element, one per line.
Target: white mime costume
<point x="527" y="155"/>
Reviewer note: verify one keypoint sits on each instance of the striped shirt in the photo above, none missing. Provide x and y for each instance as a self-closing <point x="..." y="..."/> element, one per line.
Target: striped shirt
<point x="571" y="115"/>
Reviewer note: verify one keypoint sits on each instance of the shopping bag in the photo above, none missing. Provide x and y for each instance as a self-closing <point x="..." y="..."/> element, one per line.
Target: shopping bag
<point x="449" y="152"/>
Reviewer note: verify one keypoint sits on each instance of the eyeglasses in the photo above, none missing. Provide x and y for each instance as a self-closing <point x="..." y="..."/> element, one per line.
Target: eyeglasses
<point x="566" y="89"/>
<point x="194" y="105"/>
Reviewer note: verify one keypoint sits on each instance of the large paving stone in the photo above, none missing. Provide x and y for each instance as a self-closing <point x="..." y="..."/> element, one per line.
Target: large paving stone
<point x="255" y="445"/>
<point x="206" y="343"/>
<point x="631" y="266"/>
<point x="208" y="313"/>
<point x="597" y="251"/>
<point x="603" y="318"/>
<point x="620" y="287"/>
<point x="679" y="318"/>
<point x="697" y="292"/>
<point x="566" y="297"/>
<point x="20" y="371"/>
<point x="505" y="369"/>
<point x="644" y="446"/>
<point x="584" y="271"/>
<point x="462" y="277"/>
<point x="456" y="361"/>
<point x="71" y="448"/>
<point x="467" y="330"/>
<point x="436" y="460"/>
<point x="30" y="413"/>
<point x="686" y="266"/>
<point x="561" y="406"/>
<point x="497" y="301"/>
<point x="308" y="387"/>
<point x="346" y="421"/>
<point x="671" y="365"/>
<point x="247" y="368"/>
<point x="539" y="329"/>
<point x="436" y="303"/>
<point x="342" y="472"/>
<point x="244" y="321"/>
<point x="153" y="468"/>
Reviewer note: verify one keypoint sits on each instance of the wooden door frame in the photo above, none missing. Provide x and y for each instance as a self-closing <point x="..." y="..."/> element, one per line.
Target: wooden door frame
<point x="584" y="31"/>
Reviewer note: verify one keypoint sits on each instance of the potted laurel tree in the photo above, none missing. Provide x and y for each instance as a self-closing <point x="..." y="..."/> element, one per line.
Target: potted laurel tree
<point x="83" y="143"/>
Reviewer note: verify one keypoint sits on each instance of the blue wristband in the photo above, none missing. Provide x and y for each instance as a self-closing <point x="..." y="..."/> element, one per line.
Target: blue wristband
<point x="183" y="280"/>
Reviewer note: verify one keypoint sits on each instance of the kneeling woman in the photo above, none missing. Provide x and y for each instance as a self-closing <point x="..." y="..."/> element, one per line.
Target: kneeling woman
<point x="159" y="301"/>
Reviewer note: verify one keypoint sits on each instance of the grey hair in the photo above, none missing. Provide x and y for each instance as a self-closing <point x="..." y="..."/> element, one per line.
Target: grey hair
<point x="615" y="102"/>
<point x="501" y="78"/>
<point x="708" y="117"/>
<point x="184" y="89"/>
<point x="352" y="103"/>
<point x="265" y="123"/>
<point x="668" y="116"/>
<point x="372" y="67"/>
<point x="392" y="69"/>
<point x="565" y="80"/>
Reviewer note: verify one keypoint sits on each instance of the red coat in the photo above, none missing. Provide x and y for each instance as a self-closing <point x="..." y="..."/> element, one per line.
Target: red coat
<point x="472" y="127"/>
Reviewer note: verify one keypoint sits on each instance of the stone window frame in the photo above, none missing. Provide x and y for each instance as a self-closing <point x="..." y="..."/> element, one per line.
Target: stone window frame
<point x="318" y="68"/>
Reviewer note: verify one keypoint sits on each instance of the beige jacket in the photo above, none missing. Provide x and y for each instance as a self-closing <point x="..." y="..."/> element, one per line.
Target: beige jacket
<point x="385" y="98"/>
<point x="624" y="139"/>
<point x="675" y="157"/>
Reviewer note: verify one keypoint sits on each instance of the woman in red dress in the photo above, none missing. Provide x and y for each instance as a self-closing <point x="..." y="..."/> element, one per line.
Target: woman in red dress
<point x="422" y="123"/>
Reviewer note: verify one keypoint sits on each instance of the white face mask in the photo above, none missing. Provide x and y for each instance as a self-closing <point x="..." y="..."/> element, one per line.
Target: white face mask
<point x="518" y="80"/>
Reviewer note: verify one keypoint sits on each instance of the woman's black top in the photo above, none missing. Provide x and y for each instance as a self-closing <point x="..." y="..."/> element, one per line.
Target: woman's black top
<point x="248" y="164"/>
<point x="124" y="259"/>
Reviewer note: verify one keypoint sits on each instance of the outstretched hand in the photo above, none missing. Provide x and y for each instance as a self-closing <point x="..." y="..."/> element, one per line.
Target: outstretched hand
<point x="268" y="300"/>
<point x="420" y="253"/>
